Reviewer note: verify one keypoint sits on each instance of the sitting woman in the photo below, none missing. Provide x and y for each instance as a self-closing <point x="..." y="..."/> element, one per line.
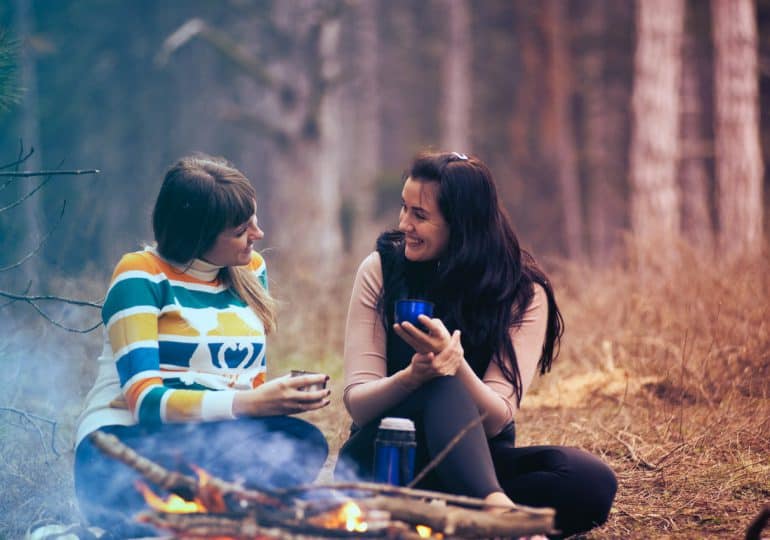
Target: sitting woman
<point x="496" y="323"/>
<point x="182" y="375"/>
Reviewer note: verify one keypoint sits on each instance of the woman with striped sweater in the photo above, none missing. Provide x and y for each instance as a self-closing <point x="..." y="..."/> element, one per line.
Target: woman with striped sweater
<point x="182" y="374"/>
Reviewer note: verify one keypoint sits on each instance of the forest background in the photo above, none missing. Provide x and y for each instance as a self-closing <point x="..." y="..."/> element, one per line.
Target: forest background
<point x="627" y="140"/>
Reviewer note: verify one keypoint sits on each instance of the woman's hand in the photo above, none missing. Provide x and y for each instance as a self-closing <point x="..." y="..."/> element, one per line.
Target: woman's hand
<point x="282" y="396"/>
<point x="426" y="366"/>
<point x="435" y="340"/>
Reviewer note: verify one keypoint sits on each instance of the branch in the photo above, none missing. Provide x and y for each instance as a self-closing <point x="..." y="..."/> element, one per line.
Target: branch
<point x="61" y="325"/>
<point x="26" y="174"/>
<point x="40" y="186"/>
<point x="175" y="482"/>
<point x="222" y="43"/>
<point x="48" y="297"/>
<point x="29" y="416"/>
<point x="254" y="509"/>
<point x="32" y="301"/>
<point x="441" y="455"/>
<point x="638" y="460"/>
<point x="21" y="159"/>
<point x="39" y="245"/>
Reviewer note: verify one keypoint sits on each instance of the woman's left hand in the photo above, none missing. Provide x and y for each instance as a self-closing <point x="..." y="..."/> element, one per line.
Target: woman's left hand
<point x="426" y="366"/>
<point x="435" y="340"/>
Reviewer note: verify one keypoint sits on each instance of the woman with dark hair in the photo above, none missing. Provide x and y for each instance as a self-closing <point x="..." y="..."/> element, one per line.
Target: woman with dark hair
<point x="182" y="375"/>
<point x="495" y="323"/>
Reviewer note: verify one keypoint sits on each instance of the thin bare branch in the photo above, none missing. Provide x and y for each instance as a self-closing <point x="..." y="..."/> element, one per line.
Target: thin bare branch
<point x="441" y="455"/>
<point x="39" y="245"/>
<point x="643" y="463"/>
<point x="29" y="194"/>
<point x="25" y="174"/>
<point x="61" y="325"/>
<point x="49" y="297"/>
<point x="19" y="160"/>
<point x="29" y="418"/>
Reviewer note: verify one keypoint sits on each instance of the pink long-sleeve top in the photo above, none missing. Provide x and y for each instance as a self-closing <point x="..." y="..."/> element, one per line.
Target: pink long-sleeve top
<point x="368" y="389"/>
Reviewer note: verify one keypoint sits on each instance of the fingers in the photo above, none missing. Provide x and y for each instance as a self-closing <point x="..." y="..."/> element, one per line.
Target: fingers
<point x="312" y="381"/>
<point x="411" y="335"/>
<point x="435" y="327"/>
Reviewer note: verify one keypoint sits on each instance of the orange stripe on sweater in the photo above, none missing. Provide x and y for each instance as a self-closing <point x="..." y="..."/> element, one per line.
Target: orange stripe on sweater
<point x="132" y="394"/>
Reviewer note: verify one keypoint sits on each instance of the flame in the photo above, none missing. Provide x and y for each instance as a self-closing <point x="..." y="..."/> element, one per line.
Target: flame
<point x="351" y="515"/>
<point x="426" y="532"/>
<point x="171" y="504"/>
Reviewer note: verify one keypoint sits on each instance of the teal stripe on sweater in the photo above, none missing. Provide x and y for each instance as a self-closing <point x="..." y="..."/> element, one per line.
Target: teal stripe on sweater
<point x="149" y="410"/>
<point x="134" y="292"/>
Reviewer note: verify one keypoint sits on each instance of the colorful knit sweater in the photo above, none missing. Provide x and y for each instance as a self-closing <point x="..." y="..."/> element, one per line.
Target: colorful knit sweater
<point x="178" y="344"/>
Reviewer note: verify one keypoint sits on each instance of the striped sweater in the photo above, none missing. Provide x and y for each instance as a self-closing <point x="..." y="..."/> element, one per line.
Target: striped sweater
<point x="178" y="345"/>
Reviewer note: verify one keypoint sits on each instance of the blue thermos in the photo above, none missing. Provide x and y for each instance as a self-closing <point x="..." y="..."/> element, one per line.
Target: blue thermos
<point x="394" y="450"/>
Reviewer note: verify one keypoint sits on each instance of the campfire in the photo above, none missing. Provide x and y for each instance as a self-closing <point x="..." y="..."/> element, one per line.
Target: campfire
<point x="211" y="507"/>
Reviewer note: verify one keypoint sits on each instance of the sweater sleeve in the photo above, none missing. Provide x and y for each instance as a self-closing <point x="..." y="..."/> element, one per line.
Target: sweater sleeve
<point x="495" y="395"/>
<point x="368" y="391"/>
<point x="134" y="302"/>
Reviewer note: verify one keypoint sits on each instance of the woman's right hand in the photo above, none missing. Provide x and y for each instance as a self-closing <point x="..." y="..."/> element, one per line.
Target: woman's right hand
<point x="426" y="366"/>
<point x="282" y="396"/>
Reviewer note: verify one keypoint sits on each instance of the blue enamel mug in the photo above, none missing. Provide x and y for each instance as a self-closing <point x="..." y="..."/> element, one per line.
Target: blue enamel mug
<point x="411" y="308"/>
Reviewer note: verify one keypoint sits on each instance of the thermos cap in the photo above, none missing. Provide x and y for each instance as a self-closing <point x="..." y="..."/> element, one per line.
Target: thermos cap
<point x="397" y="424"/>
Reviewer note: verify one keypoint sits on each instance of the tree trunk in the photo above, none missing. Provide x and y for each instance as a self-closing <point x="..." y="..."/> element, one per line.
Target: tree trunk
<point x="655" y="215"/>
<point x="558" y="133"/>
<point x="695" y="139"/>
<point x="457" y="76"/>
<point x="604" y="93"/>
<point x="738" y="158"/>
<point x="306" y="180"/>
<point x="30" y="134"/>
<point x="366" y="158"/>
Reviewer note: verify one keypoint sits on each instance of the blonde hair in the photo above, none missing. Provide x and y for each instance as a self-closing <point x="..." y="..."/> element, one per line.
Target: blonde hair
<point x="200" y="197"/>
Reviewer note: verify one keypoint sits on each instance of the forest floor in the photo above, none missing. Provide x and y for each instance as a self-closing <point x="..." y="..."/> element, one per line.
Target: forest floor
<point x="664" y="374"/>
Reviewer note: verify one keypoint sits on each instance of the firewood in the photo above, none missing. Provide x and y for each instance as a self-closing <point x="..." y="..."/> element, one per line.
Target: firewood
<point x="185" y="486"/>
<point x="250" y="513"/>
<point x="247" y="526"/>
<point x="464" y="522"/>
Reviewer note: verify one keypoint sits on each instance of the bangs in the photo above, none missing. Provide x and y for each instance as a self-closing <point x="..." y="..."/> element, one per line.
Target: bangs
<point x="234" y="203"/>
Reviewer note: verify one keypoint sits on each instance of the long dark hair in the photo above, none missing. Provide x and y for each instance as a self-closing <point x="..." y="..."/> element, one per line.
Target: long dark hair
<point x="483" y="283"/>
<point x="200" y="197"/>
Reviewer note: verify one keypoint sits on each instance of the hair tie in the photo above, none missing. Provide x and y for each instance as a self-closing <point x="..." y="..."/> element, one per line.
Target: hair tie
<point x="458" y="155"/>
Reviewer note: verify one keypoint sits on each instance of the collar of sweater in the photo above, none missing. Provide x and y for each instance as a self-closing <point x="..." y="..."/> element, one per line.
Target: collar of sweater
<point x="197" y="268"/>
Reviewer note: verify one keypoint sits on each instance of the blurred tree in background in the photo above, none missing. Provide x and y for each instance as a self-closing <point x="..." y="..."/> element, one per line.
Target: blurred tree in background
<point x="602" y="120"/>
<point x="323" y="104"/>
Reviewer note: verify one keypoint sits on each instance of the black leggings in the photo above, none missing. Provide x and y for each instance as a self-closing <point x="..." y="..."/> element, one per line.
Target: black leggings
<point x="576" y="484"/>
<point x="267" y="452"/>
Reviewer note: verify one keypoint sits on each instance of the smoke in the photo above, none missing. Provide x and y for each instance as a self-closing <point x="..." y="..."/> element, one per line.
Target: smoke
<point x="44" y="373"/>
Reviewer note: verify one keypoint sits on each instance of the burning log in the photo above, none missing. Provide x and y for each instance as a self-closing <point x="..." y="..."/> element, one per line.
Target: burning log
<point x="463" y="522"/>
<point x="247" y="527"/>
<point x="211" y="492"/>
<point x="231" y="511"/>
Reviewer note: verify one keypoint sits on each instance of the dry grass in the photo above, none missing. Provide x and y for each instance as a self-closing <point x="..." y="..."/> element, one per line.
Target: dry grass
<point x="664" y="373"/>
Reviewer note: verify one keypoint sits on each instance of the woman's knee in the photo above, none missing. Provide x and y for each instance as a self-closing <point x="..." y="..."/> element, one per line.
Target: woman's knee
<point x="445" y="392"/>
<point x="593" y="485"/>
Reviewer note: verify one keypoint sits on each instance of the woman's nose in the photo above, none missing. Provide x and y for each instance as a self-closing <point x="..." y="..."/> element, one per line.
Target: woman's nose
<point x="403" y="222"/>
